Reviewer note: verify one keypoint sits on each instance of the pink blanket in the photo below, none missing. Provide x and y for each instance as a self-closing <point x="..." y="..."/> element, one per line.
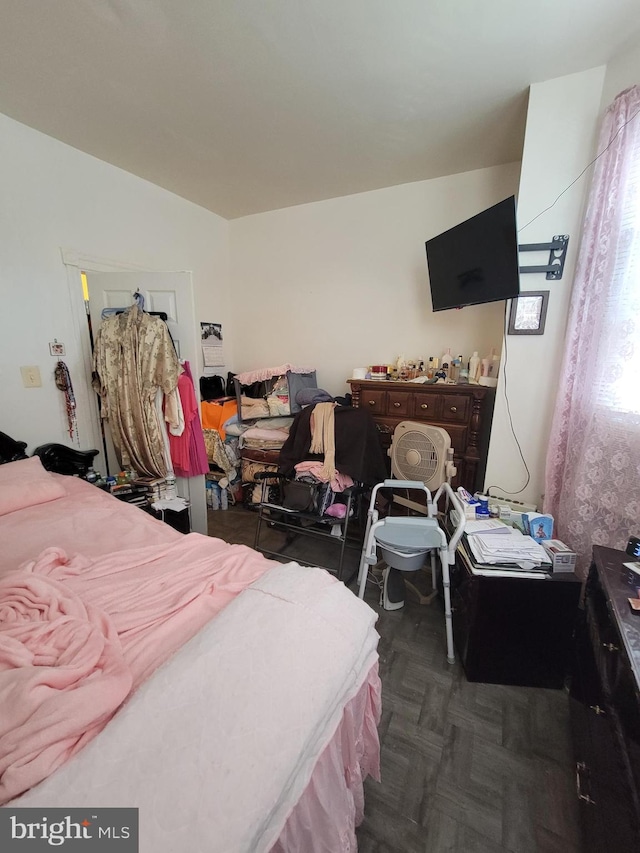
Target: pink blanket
<point x="62" y="676"/>
<point x="77" y="635"/>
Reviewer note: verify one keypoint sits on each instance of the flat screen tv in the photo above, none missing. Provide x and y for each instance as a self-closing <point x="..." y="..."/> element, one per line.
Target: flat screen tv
<point x="476" y="261"/>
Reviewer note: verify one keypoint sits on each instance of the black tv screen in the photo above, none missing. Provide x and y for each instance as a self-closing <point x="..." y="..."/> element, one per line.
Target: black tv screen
<point x="476" y="261"/>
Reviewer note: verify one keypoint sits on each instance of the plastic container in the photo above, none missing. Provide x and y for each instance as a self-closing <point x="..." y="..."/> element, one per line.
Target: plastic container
<point x="483" y="509"/>
<point x="224" y="499"/>
<point x="494" y="365"/>
<point x="474" y="367"/>
<point x="215" y="496"/>
<point x="170" y="487"/>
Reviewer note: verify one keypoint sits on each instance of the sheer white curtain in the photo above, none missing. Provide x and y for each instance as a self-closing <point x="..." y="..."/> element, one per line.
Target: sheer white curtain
<point x="592" y="484"/>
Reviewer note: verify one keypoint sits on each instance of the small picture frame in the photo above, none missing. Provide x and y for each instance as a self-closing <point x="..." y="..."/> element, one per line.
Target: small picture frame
<point x="528" y="313"/>
<point x="56" y="349"/>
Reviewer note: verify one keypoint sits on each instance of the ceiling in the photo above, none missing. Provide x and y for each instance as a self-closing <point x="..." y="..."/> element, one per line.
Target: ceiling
<point x="244" y="106"/>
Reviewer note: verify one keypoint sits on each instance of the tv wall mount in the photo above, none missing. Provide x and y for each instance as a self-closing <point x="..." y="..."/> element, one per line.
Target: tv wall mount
<point x="557" y="254"/>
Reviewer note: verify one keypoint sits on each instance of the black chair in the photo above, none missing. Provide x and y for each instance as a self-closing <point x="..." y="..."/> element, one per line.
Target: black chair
<point x="283" y="507"/>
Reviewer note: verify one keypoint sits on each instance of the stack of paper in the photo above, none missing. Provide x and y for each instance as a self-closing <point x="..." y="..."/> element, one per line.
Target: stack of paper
<point x="515" y="549"/>
<point x="485" y="525"/>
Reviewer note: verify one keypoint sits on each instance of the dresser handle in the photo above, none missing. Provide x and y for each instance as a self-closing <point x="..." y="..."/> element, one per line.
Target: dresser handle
<point x="580" y="767"/>
<point x="597" y="710"/>
<point x="610" y="647"/>
<point x="372" y="402"/>
<point x="454" y="409"/>
<point x="396" y="405"/>
<point x="424" y="406"/>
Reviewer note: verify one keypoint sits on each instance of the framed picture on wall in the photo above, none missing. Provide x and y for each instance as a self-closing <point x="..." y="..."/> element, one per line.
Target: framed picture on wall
<point x="528" y="313"/>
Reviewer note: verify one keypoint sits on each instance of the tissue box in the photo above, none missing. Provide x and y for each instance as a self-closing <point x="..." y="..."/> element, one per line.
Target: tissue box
<point x="563" y="559"/>
<point x="538" y="526"/>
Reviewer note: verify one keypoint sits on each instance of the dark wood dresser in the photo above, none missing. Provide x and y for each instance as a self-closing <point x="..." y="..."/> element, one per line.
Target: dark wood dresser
<point x="465" y="411"/>
<point x="605" y="706"/>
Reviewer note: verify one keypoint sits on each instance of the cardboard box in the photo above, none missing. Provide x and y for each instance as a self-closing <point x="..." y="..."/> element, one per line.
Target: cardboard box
<point x="538" y="525"/>
<point x="563" y="559"/>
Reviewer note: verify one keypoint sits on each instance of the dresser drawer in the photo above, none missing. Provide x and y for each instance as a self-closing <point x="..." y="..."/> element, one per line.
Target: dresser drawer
<point x="398" y="403"/>
<point x="373" y="401"/>
<point x="456" y="408"/>
<point x="427" y="407"/>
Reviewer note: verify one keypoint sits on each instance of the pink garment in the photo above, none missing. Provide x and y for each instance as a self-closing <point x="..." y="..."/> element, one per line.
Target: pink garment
<point x="592" y="487"/>
<point x="188" y="452"/>
<point x="94" y="630"/>
<point x="339" y="483"/>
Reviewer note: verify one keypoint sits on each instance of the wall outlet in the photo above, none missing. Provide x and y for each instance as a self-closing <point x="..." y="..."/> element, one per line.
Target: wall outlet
<point x="31" y="376"/>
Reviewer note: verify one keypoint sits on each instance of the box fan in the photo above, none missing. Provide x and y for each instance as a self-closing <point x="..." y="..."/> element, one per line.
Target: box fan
<point x="421" y="452"/>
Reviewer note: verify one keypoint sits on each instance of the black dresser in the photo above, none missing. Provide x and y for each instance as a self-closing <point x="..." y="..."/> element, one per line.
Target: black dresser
<point x="605" y="706"/>
<point x="514" y="630"/>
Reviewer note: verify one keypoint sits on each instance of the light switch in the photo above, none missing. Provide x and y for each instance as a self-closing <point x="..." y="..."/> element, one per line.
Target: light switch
<point x="31" y="376"/>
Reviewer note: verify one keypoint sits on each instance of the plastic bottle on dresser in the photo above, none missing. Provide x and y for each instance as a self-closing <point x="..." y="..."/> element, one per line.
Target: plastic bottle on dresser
<point x="170" y="487"/>
<point x="494" y="365"/>
<point x="474" y="367"/>
<point x="490" y="364"/>
<point x="447" y="358"/>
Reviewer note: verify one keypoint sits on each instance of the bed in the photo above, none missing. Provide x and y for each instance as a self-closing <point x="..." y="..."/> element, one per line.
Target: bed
<point x="233" y="700"/>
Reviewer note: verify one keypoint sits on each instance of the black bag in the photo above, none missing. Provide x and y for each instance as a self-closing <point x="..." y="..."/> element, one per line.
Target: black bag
<point x="211" y="387"/>
<point x="307" y="497"/>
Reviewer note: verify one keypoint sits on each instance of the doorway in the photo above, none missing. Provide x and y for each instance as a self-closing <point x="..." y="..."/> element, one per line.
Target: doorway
<point x="111" y="285"/>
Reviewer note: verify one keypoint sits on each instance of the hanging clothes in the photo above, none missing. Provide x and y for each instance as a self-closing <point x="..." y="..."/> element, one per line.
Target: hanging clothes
<point x="133" y="358"/>
<point x="188" y="451"/>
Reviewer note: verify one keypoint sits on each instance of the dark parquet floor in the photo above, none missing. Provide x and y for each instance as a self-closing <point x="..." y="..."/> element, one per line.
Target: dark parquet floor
<point x="467" y="768"/>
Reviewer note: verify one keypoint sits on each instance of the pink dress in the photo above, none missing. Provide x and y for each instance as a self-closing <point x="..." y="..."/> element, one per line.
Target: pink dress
<point x="188" y="453"/>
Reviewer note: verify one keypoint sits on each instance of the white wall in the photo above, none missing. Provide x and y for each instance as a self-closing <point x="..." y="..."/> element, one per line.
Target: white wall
<point x="560" y="141"/>
<point x="343" y="283"/>
<point x="54" y="196"/>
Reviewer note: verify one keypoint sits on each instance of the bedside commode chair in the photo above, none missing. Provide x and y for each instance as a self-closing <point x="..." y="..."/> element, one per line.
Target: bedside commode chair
<point x="405" y="542"/>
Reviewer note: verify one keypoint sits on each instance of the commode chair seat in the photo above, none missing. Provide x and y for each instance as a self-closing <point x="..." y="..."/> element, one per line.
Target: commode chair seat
<point x="404" y="542"/>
